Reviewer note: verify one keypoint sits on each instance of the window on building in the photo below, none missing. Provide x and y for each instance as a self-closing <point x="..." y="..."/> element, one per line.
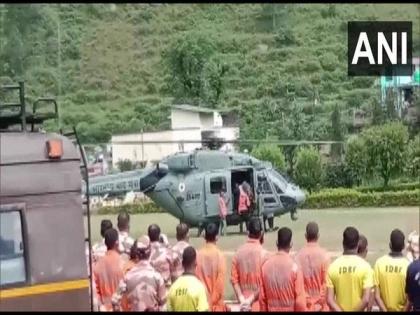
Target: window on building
<point x="216" y="184"/>
<point x="12" y="258"/>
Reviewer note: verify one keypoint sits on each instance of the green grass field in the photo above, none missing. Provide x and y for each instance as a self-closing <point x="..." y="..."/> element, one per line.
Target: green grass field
<point x="375" y="223"/>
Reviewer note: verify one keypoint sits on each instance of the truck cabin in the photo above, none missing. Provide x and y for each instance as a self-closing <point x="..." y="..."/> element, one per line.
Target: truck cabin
<point x="43" y="262"/>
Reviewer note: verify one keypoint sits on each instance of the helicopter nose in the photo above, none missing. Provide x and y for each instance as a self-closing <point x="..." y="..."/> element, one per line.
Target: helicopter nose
<point x="300" y="196"/>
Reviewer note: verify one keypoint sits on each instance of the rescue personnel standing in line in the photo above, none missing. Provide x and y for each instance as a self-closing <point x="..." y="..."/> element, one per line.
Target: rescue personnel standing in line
<point x="99" y="249"/>
<point x="412" y="284"/>
<point x="282" y="288"/>
<point x="223" y="209"/>
<point x="161" y="256"/>
<point x="182" y="236"/>
<point x="362" y="251"/>
<point x="143" y="287"/>
<point x="108" y="271"/>
<point x="125" y="241"/>
<point x="413" y="246"/>
<point x="211" y="269"/>
<point x="362" y="247"/>
<point x="134" y="259"/>
<point x="246" y="267"/>
<point x="389" y="276"/>
<point x="187" y="293"/>
<point x="313" y="260"/>
<point x="349" y="277"/>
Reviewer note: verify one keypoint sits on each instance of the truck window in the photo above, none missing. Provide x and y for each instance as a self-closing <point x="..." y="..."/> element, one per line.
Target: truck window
<point x="216" y="184"/>
<point x="12" y="258"/>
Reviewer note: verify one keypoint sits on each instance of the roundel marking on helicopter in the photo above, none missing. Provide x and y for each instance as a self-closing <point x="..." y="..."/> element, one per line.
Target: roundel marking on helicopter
<point x="181" y="187"/>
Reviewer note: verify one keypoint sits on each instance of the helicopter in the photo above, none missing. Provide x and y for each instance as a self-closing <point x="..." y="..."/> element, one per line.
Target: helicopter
<point x="187" y="185"/>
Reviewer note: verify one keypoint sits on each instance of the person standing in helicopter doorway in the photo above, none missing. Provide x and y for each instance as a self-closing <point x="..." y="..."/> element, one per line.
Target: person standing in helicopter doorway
<point x="223" y="206"/>
<point x="244" y="203"/>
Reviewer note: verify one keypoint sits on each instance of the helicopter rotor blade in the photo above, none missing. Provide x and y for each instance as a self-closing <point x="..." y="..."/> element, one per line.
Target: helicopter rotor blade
<point x="210" y="141"/>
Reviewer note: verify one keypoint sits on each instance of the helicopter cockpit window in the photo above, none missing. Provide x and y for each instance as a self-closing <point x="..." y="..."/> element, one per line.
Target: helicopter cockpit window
<point x="264" y="186"/>
<point x="278" y="181"/>
<point x="217" y="184"/>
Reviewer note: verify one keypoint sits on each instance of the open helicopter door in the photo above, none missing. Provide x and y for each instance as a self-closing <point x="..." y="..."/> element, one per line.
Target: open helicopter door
<point x="265" y="188"/>
<point x="213" y="183"/>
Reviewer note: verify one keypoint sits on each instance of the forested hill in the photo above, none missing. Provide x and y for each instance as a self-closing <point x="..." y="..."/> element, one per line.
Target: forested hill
<point x="118" y="68"/>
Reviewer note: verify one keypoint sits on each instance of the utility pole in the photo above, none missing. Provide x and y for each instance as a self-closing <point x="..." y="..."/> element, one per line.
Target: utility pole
<point x="142" y="147"/>
<point x="59" y="65"/>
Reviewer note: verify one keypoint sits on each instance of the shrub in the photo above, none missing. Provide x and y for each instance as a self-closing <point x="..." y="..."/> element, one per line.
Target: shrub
<point x="338" y="175"/>
<point x="271" y="153"/>
<point x="413" y="158"/>
<point x="386" y="147"/>
<point x="396" y="187"/>
<point x="308" y="168"/>
<point x="333" y="198"/>
<point x="356" y="158"/>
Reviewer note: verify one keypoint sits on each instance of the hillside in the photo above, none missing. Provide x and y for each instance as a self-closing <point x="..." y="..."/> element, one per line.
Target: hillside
<point x="284" y="67"/>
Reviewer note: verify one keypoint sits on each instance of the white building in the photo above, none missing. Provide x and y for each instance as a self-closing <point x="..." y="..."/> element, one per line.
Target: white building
<point x="189" y="126"/>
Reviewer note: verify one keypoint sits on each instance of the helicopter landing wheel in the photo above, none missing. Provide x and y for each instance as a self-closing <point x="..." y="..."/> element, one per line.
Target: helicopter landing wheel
<point x="294" y="215"/>
<point x="200" y="230"/>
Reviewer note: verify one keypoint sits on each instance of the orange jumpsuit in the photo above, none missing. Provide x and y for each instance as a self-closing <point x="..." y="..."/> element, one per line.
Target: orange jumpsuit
<point x="282" y="288"/>
<point x="211" y="270"/>
<point x="314" y="261"/>
<point x="107" y="274"/>
<point x="244" y="202"/>
<point x="246" y="268"/>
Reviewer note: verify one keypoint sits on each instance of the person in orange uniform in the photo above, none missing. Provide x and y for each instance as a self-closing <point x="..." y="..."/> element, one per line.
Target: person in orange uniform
<point x="246" y="267"/>
<point x="108" y="271"/>
<point x="314" y="261"/>
<point x="211" y="269"/>
<point x="244" y="204"/>
<point x="282" y="287"/>
<point x="223" y="210"/>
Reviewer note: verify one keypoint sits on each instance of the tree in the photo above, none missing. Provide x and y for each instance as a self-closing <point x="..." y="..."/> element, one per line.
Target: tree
<point x="296" y="129"/>
<point x="413" y="158"/>
<point x="271" y="153"/>
<point x="186" y="59"/>
<point x="386" y="147"/>
<point x="336" y="133"/>
<point x="19" y="20"/>
<point x="356" y="158"/>
<point x="212" y="85"/>
<point x="377" y="112"/>
<point x="338" y="174"/>
<point x="391" y="113"/>
<point x="308" y="168"/>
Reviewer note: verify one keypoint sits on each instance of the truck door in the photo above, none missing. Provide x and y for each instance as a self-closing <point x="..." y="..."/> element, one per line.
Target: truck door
<point x="213" y="183"/>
